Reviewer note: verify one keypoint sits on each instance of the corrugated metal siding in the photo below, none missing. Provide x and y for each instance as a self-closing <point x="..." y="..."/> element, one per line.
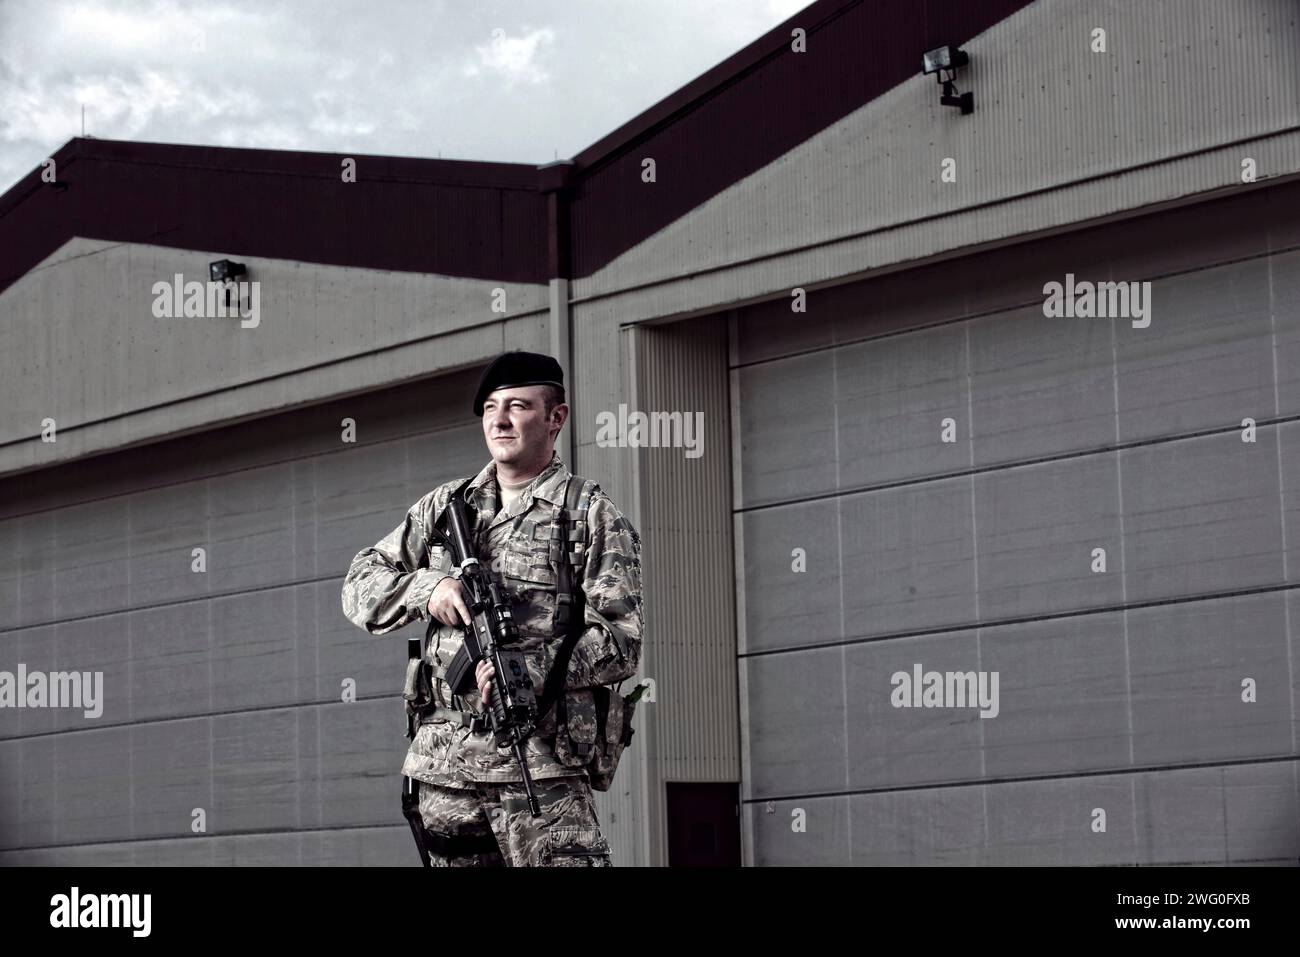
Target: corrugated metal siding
<point x="1178" y="78"/>
<point x="855" y="52"/>
<point x="1118" y="690"/>
<point x="690" y="733"/>
<point x="689" y="534"/>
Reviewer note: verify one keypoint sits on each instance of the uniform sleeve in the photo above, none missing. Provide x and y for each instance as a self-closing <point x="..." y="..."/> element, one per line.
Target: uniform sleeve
<point x="610" y="647"/>
<point x="389" y="585"/>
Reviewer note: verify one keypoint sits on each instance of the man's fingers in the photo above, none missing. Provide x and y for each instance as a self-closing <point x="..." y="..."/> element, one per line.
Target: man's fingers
<point x="484" y="673"/>
<point x="450" y="607"/>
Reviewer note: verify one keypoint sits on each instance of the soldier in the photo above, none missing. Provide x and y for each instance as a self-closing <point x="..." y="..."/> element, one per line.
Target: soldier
<point x="471" y="798"/>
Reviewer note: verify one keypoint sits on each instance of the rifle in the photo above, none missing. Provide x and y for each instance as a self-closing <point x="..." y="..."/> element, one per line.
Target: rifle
<point x="512" y="699"/>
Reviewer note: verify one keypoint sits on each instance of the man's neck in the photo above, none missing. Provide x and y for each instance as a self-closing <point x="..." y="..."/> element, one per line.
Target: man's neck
<point x="516" y="475"/>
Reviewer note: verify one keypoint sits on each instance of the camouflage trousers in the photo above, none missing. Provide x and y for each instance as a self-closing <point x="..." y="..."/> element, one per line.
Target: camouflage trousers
<point x="567" y="834"/>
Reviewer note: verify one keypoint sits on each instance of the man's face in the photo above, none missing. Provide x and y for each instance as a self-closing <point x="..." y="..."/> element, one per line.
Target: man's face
<point x="516" y="427"/>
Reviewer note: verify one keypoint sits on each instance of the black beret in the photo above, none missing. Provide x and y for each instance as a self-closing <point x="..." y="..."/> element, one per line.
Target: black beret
<point x="511" y="369"/>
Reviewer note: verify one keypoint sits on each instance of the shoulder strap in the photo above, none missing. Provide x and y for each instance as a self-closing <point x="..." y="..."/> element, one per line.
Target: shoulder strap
<point x="568" y="553"/>
<point x="569" y="550"/>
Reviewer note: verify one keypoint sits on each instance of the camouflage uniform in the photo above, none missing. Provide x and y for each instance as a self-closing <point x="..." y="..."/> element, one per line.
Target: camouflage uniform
<point x="389" y="586"/>
<point x="566" y="834"/>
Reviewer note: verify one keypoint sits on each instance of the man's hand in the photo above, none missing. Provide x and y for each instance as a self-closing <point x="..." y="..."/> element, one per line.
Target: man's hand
<point x="483" y="675"/>
<point x="447" y="603"/>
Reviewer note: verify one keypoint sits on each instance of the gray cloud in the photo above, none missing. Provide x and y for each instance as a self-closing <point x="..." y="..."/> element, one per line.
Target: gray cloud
<point x="515" y="82"/>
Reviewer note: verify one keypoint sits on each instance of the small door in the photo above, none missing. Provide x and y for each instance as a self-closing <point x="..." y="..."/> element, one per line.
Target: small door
<point x="703" y="825"/>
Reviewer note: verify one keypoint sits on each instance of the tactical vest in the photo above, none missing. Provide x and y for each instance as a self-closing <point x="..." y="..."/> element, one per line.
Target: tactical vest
<point x="593" y="725"/>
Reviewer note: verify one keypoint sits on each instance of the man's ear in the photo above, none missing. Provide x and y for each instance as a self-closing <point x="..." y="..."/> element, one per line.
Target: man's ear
<point x="559" y="415"/>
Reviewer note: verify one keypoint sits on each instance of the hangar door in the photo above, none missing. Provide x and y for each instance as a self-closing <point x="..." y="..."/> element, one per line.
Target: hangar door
<point x="932" y="476"/>
<point x="222" y="688"/>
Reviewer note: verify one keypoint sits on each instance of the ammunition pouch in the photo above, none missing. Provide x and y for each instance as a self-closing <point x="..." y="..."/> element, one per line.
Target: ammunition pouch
<point x="593" y="728"/>
<point x="417" y="688"/>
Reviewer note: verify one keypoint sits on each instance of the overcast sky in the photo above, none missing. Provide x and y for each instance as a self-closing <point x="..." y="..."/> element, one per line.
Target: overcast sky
<point x="519" y="81"/>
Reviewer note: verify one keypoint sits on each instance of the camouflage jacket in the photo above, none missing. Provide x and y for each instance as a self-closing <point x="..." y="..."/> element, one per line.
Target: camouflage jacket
<point x="388" y="586"/>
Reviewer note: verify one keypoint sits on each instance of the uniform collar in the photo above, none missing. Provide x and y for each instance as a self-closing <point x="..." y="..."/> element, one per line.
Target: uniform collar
<point x="548" y="485"/>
